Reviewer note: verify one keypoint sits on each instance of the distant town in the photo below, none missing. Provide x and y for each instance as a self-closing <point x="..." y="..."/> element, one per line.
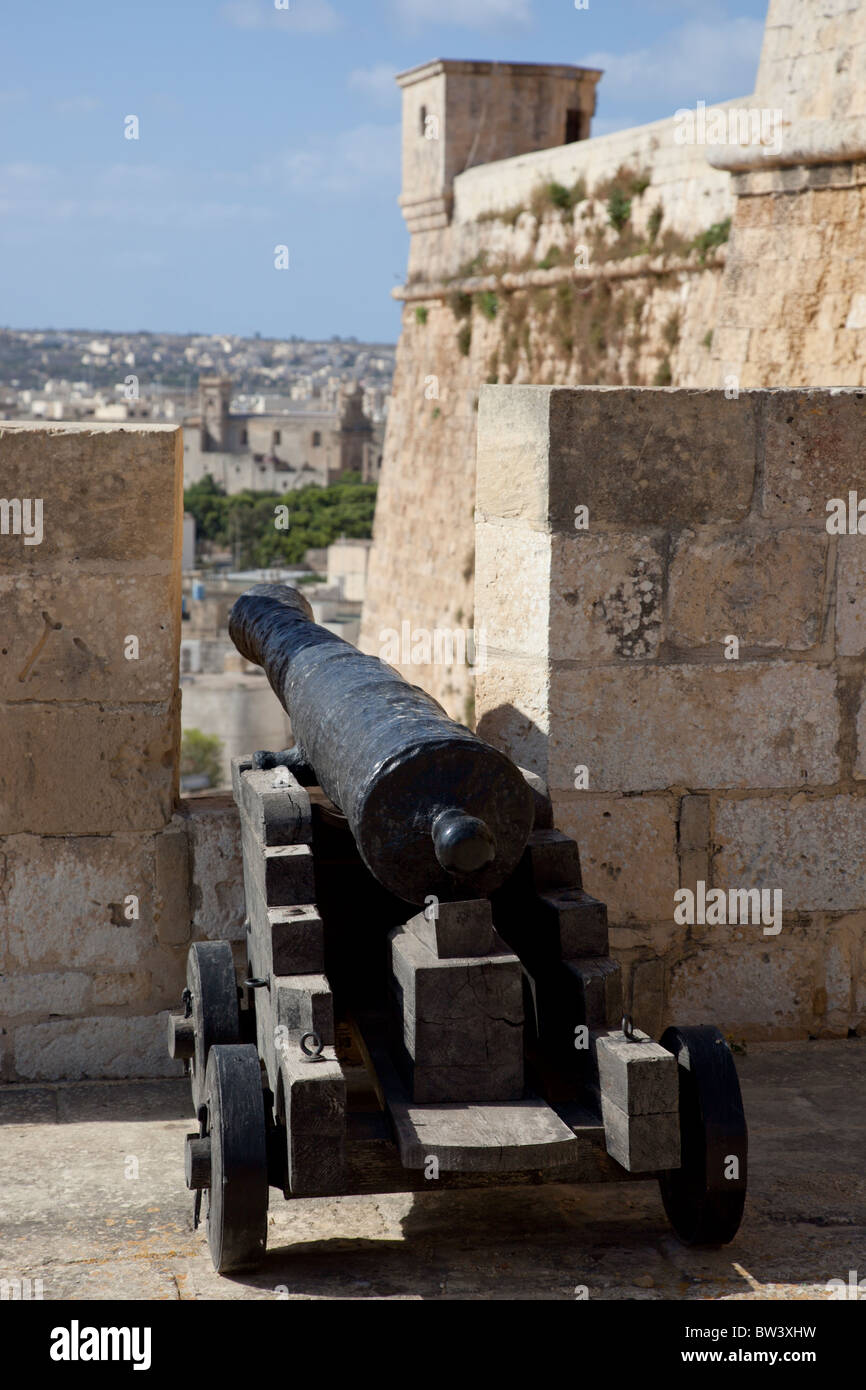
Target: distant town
<point x="70" y="374"/>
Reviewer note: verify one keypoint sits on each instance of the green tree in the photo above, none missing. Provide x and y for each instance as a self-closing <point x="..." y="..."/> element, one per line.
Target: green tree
<point x="201" y="754"/>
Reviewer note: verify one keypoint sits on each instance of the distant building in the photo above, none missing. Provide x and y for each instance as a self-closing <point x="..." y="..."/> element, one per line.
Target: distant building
<point x="278" y="452"/>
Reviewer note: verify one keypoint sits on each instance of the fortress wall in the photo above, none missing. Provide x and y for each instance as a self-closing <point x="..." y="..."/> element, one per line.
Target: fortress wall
<point x="606" y="652"/>
<point x="622" y="318"/>
<point x="102" y="880"/>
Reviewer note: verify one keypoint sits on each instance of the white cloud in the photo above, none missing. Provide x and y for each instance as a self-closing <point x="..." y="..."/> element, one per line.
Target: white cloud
<point x="377" y="84"/>
<point x="468" y="14"/>
<point x="302" y="16"/>
<point x="698" y="61"/>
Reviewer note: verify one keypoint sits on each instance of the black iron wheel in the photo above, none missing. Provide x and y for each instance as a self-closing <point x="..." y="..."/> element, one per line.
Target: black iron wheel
<point x="211" y="981"/>
<point x="237" y="1198"/>
<point x="704" y="1198"/>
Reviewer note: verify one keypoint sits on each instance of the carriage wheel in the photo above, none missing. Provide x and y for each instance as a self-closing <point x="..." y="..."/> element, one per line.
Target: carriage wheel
<point x="235" y="1167"/>
<point x="210" y="979"/>
<point x="704" y="1198"/>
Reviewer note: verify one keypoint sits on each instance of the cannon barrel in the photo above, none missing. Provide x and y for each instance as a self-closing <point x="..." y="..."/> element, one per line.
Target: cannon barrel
<point x="433" y="809"/>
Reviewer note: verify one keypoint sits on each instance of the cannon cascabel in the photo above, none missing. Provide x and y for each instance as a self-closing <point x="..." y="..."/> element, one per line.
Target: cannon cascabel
<point x="433" y="809"/>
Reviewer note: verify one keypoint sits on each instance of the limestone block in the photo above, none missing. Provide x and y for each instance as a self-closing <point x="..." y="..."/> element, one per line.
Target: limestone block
<point x="217" y="869"/>
<point x="813" y="849"/>
<point x="731" y="585"/>
<point x="513" y="453"/>
<point x="87" y="769"/>
<point x="764" y="987"/>
<point x="95" y="1048"/>
<point x="851" y="596"/>
<point x="813" y="452"/>
<point x="512" y="705"/>
<point x="461" y="1023"/>
<point x="172" y="911"/>
<point x="65" y="900"/>
<point x="512" y="570"/>
<point x="117" y="987"/>
<point x="657" y="457"/>
<point x="736" y="724"/>
<point x="626" y="453"/>
<point x="638" y="1077"/>
<point x="606" y="597"/>
<point x="628" y="851"/>
<point x="64" y="637"/>
<point x="55" y="992"/>
<point x="111" y="497"/>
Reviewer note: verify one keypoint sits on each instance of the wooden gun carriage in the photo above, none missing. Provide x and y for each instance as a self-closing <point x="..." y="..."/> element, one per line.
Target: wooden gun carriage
<point x="429" y="998"/>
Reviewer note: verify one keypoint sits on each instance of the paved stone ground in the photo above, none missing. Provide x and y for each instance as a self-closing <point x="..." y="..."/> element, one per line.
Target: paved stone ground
<point x="92" y="1201"/>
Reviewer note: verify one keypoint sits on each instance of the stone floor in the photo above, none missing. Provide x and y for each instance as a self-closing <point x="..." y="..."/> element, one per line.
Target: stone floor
<point x="92" y="1201"/>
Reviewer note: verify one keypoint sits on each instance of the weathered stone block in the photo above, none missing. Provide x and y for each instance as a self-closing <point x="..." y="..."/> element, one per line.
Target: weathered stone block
<point x="65" y="637"/>
<point x="731" y="585"/>
<point x="622" y="452"/>
<point x="106" y="492"/>
<point x="812" y="848"/>
<point x="764" y="986"/>
<point x="85" y="769"/>
<point x="65" y="900"/>
<point x="172" y="912"/>
<point x="628" y="851"/>
<point x="217" y="869"/>
<point x="638" y="456"/>
<point x="813" y="452"/>
<point x="513" y="453"/>
<point x="742" y="724"/>
<point x="512" y="702"/>
<point x="606" y="597"/>
<point x="54" y="992"/>
<point x="93" y="1048"/>
<point x="513" y="571"/>
<point x="851" y="596"/>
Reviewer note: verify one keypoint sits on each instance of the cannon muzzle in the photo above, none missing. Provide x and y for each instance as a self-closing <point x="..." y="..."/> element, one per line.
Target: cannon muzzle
<point x="434" y="810"/>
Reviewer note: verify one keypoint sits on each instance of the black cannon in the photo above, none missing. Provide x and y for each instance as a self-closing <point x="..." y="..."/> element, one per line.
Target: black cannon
<point x="376" y="1047"/>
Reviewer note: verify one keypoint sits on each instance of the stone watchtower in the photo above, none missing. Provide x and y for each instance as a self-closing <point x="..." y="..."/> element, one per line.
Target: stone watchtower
<point x="214" y="395"/>
<point x="459" y="114"/>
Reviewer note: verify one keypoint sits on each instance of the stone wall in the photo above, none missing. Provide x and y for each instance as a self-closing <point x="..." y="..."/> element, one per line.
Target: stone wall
<point x="707" y="519"/>
<point x="781" y="303"/>
<point x="496" y="296"/>
<point x="102" y="881"/>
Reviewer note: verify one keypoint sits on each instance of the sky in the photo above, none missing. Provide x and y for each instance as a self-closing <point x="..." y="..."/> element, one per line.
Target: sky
<point x="260" y="127"/>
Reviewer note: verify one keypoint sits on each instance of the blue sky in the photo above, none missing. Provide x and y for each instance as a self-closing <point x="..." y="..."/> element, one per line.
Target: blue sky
<point x="261" y="126"/>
